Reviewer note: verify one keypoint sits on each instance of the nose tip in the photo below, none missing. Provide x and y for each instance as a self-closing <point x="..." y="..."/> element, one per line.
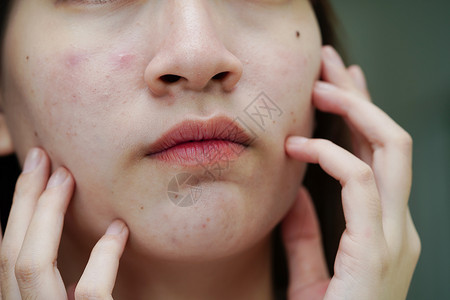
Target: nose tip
<point x="194" y="70"/>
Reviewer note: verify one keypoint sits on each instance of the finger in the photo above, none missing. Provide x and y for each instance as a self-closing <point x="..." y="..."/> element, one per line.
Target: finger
<point x="360" y="199"/>
<point x="391" y="144"/>
<point x="302" y="239"/>
<point x="29" y="187"/>
<point x="357" y="74"/>
<point x="334" y="70"/>
<point x="36" y="263"/>
<point x="97" y="281"/>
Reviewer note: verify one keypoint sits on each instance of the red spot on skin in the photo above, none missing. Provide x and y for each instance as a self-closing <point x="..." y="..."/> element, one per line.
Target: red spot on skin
<point x="122" y="60"/>
<point x="203" y="225"/>
<point x="72" y="60"/>
<point x="208" y="219"/>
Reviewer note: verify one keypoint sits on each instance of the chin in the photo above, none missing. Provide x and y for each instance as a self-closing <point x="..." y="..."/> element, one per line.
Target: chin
<point x="224" y="221"/>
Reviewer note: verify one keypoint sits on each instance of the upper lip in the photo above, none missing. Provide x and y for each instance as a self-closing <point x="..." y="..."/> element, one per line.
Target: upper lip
<point x="217" y="128"/>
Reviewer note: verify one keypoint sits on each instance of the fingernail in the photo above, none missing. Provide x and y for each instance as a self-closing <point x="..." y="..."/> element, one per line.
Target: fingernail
<point x="57" y="178"/>
<point x="115" y="228"/>
<point x="296" y="141"/>
<point x="324" y="86"/>
<point x="332" y="56"/>
<point x="32" y="161"/>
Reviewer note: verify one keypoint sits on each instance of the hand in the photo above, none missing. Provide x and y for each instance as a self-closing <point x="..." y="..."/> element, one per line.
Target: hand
<point x="29" y="248"/>
<point x="379" y="248"/>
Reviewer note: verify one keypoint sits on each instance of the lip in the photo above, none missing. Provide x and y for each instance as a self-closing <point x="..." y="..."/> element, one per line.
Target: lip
<point x="201" y="142"/>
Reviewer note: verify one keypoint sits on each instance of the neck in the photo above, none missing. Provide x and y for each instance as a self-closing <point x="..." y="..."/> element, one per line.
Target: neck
<point x="246" y="275"/>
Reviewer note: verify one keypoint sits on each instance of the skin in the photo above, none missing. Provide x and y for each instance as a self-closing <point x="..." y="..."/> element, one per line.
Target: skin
<point x="82" y="88"/>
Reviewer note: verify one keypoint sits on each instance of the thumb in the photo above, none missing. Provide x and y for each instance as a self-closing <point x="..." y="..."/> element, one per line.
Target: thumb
<point x="303" y="243"/>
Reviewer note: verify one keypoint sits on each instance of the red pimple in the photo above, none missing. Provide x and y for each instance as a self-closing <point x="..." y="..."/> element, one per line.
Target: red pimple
<point x="73" y="60"/>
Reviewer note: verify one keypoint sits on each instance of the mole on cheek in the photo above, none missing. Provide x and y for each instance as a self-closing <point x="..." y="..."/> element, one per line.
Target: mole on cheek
<point x="297" y="34"/>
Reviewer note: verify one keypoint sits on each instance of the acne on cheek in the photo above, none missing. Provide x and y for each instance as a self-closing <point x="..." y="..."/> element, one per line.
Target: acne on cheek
<point x="90" y="78"/>
<point x="122" y="60"/>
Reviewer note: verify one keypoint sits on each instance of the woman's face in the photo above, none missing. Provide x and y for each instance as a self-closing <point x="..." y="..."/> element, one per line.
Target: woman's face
<point x="85" y="80"/>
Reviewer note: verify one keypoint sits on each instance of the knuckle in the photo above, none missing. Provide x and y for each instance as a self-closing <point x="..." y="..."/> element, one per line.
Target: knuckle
<point x="7" y="260"/>
<point x="27" y="272"/>
<point x="402" y="140"/>
<point x="89" y="293"/>
<point x="363" y="173"/>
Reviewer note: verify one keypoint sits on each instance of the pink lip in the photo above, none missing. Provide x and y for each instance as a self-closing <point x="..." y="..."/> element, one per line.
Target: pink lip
<point x="194" y="142"/>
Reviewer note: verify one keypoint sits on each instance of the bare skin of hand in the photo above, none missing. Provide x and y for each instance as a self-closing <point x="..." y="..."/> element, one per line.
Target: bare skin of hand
<point x="380" y="247"/>
<point x="29" y="248"/>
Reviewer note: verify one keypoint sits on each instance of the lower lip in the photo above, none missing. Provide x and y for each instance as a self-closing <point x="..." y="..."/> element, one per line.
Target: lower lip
<point x="201" y="152"/>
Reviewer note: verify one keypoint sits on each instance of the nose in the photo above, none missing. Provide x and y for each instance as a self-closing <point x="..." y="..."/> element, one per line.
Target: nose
<point x="191" y="55"/>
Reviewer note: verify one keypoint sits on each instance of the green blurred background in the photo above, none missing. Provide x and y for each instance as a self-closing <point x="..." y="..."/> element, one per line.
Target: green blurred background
<point x="404" y="49"/>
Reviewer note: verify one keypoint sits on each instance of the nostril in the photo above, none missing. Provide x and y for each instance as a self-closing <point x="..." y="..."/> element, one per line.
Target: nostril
<point x="220" y="75"/>
<point x="170" y="78"/>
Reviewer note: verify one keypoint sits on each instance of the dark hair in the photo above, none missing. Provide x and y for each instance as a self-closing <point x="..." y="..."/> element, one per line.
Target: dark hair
<point x="324" y="190"/>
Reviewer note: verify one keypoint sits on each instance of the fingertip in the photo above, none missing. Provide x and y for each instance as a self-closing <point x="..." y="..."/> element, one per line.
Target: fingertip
<point x="358" y="77"/>
<point x="117" y="227"/>
<point x="295" y="141"/>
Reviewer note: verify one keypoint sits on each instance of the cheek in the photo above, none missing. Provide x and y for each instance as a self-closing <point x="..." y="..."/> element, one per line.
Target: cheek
<point x="80" y="95"/>
<point x="287" y="77"/>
